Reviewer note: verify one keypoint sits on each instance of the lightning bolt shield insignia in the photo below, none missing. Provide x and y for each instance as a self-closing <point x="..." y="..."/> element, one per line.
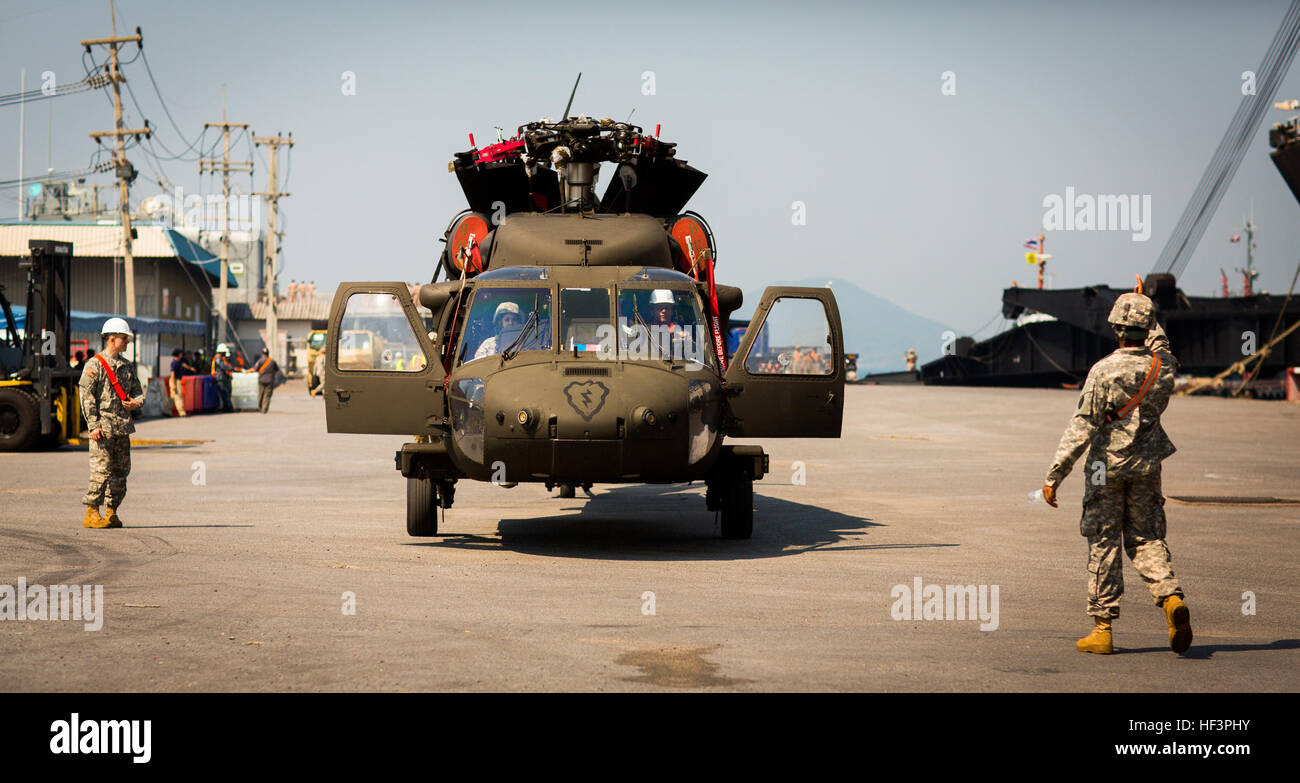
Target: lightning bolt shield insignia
<point x="586" y="397"/>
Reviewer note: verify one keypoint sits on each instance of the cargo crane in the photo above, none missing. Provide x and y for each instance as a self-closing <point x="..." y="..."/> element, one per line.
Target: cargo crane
<point x="1205" y="332"/>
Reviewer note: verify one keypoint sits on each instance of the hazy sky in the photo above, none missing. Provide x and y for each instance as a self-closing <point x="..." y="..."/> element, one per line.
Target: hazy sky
<point x="920" y="197"/>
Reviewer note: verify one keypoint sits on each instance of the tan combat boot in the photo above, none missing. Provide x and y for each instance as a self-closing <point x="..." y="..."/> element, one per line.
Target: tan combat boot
<point x="93" y="519"/>
<point x="1099" y="640"/>
<point x="113" y="519"/>
<point x="1180" y="623"/>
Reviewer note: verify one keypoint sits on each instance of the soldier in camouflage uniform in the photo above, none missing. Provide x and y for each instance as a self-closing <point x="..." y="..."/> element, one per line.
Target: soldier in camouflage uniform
<point x="1118" y="421"/>
<point x="108" y="418"/>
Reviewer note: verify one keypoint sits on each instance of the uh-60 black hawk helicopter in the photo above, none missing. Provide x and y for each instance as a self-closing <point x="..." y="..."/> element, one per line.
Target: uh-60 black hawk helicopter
<point x="577" y="340"/>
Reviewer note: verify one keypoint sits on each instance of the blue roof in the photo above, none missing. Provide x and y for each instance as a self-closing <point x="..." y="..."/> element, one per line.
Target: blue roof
<point x="86" y="321"/>
<point x="191" y="251"/>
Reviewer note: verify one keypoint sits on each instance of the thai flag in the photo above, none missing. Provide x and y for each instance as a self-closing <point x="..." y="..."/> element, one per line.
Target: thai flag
<point x="1235" y="238"/>
<point x="1031" y="244"/>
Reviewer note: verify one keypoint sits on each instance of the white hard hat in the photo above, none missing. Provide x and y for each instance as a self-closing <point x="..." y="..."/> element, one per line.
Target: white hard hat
<point x="116" y="326"/>
<point x="222" y="348"/>
<point x="661" y="296"/>
<point x="503" y="308"/>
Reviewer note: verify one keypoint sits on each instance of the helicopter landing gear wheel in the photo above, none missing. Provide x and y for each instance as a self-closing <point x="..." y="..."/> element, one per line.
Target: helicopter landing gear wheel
<point x="737" y="506"/>
<point x="421" y="507"/>
<point x="567" y="491"/>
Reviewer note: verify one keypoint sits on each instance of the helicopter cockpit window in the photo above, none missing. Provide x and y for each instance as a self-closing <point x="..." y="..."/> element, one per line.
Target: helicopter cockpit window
<point x="795" y="340"/>
<point x="662" y="323"/>
<point x="506" y="319"/>
<point x="583" y="311"/>
<point x="375" y="334"/>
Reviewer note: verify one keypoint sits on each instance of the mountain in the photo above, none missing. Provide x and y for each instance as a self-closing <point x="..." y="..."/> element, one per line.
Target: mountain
<point x="876" y="329"/>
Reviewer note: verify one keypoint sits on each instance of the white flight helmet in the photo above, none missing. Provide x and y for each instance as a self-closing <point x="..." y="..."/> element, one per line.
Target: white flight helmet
<point x="661" y="296"/>
<point x="116" y="326"/>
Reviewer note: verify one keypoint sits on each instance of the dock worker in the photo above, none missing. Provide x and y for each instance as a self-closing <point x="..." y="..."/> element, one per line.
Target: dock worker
<point x="221" y="370"/>
<point x="179" y="369"/>
<point x="267" y="372"/>
<point x="318" y="370"/>
<point x="1118" y="422"/>
<point x="109" y="390"/>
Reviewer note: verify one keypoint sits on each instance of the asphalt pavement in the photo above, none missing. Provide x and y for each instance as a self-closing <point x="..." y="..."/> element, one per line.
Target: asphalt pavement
<point x="272" y="556"/>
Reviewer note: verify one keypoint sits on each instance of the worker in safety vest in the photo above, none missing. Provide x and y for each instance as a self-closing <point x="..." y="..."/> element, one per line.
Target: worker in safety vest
<point x="267" y="372"/>
<point x="221" y="370"/>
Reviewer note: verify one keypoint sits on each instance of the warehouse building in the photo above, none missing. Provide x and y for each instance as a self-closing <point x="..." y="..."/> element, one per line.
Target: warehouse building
<point x="174" y="280"/>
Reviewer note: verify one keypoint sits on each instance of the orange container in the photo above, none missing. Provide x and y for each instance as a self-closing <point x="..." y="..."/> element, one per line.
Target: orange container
<point x="192" y="389"/>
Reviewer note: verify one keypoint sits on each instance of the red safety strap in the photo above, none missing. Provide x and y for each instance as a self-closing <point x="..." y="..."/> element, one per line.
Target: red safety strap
<point x="719" y="346"/>
<point x="262" y="364"/>
<point x="1147" y="383"/>
<point x="117" y="387"/>
<point x="715" y="326"/>
<point x="451" y="334"/>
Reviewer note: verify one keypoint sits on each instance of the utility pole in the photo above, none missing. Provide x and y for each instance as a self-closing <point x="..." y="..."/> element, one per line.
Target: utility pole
<point x="272" y="196"/>
<point x="225" y="166"/>
<point x="125" y="171"/>
<point x="22" y="131"/>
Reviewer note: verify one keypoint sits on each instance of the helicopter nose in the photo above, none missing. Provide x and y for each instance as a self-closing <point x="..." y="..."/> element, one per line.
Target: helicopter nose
<point x="553" y="423"/>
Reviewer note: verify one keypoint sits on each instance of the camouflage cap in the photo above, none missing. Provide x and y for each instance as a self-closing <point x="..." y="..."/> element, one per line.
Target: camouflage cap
<point x="1135" y="310"/>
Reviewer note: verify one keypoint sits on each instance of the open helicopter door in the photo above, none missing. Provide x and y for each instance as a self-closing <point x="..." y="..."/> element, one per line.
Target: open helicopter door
<point x="382" y="374"/>
<point x="787" y="378"/>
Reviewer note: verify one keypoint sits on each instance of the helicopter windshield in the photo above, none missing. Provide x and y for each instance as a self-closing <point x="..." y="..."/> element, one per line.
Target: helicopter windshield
<point x="518" y="319"/>
<point x="662" y="323"/>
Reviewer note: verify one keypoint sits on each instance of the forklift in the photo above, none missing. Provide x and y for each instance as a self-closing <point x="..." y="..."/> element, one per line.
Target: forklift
<point x="39" y="407"/>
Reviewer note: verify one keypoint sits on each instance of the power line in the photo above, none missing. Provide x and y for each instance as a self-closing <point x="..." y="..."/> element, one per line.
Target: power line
<point x="58" y="175"/>
<point x="135" y="102"/>
<point x="158" y="92"/>
<point x="40" y="93"/>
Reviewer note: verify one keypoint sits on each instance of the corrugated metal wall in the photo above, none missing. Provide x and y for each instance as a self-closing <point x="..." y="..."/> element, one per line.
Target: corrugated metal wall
<point x="188" y="298"/>
<point x="94" y="281"/>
